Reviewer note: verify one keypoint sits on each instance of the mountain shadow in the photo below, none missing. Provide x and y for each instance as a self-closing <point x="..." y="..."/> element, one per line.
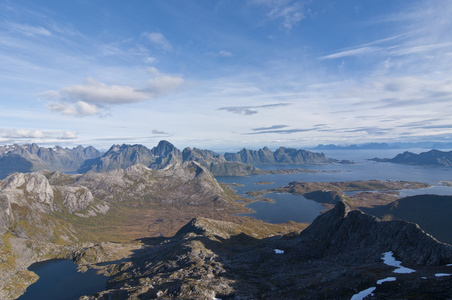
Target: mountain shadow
<point x="431" y="212"/>
<point x="14" y="163"/>
<point x="339" y="255"/>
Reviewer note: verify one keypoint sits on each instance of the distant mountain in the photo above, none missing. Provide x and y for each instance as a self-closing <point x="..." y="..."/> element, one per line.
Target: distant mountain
<point x="376" y="146"/>
<point x="431" y="212"/>
<point x="356" y="147"/>
<point x="162" y="156"/>
<point x="28" y="158"/>
<point x="281" y="156"/>
<point x="430" y="158"/>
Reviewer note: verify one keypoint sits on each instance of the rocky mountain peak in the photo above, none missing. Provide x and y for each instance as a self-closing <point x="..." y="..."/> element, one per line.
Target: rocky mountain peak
<point x="164" y="148"/>
<point x="344" y="230"/>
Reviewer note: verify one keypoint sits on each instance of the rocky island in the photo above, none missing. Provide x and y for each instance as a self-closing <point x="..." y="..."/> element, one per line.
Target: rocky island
<point x="430" y="158"/>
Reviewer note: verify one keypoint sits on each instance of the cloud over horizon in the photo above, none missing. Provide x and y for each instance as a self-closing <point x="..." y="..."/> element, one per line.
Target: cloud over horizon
<point x="251" y="110"/>
<point x="29" y="135"/>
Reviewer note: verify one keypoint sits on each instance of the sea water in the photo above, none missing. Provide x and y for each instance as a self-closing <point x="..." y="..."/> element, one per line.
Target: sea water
<point x="299" y="209"/>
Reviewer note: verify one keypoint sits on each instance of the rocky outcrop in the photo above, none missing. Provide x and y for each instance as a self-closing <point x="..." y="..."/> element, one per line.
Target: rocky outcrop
<point x="430" y="158"/>
<point x="119" y="157"/>
<point x="281" y="156"/>
<point x="342" y="230"/>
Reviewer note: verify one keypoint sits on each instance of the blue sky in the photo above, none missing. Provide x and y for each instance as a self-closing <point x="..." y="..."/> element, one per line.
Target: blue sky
<point x="225" y="74"/>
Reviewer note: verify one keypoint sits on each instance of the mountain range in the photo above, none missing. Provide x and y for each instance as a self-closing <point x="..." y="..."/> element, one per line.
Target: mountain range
<point x="394" y="145"/>
<point x="282" y="155"/>
<point x="429" y="158"/>
<point x="28" y="158"/>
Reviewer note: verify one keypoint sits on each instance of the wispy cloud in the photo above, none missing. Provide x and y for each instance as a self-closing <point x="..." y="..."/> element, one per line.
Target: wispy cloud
<point x="159" y="132"/>
<point x="27" y="30"/>
<point x="280" y="131"/>
<point x="221" y="53"/>
<point x="289" y="12"/>
<point x="251" y="110"/>
<point x="352" y="52"/>
<point x="159" y="40"/>
<point x="270" y="128"/>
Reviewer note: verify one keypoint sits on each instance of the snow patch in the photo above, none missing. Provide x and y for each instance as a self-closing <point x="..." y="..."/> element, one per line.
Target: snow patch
<point x="386" y="279"/>
<point x="363" y="294"/>
<point x="389" y="260"/>
<point x="449" y="265"/>
<point x="442" y="274"/>
<point x="277" y="251"/>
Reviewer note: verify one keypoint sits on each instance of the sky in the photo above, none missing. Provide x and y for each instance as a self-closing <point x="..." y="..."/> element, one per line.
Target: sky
<point x="225" y="74"/>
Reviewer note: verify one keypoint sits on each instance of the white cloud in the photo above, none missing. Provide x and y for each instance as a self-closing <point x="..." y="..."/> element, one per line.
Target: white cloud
<point x="79" y="109"/>
<point x="158" y="39"/>
<point x="163" y="85"/>
<point x="93" y="97"/>
<point x="68" y="135"/>
<point x="26" y="134"/>
<point x="93" y="91"/>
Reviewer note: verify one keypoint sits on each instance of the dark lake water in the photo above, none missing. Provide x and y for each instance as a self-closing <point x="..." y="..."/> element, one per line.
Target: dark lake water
<point x="299" y="209"/>
<point x="60" y="280"/>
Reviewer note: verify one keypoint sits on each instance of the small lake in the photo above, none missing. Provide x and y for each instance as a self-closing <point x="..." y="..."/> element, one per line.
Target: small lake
<point x="286" y="207"/>
<point x="59" y="279"/>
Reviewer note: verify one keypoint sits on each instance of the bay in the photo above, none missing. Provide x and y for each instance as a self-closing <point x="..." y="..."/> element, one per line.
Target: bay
<point x="299" y="209"/>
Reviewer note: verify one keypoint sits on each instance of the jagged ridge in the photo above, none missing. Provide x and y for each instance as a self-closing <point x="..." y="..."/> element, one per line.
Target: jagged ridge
<point x="338" y="255"/>
<point x="29" y="158"/>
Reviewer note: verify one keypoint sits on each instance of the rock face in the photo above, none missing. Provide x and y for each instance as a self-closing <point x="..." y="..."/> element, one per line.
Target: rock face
<point x="335" y="258"/>
<point x="29" y="158"/>
<point x="342" y="230"/>
<point x="281" y="156"/>
<point x="430" y="158"/>
<point x="163" y="155"/>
